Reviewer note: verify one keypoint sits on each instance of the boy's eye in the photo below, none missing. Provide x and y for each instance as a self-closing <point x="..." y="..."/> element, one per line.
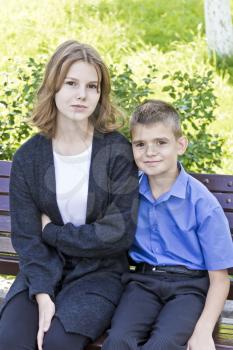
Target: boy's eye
<point x="161" y="142"/>
<point x="139" y="145"/>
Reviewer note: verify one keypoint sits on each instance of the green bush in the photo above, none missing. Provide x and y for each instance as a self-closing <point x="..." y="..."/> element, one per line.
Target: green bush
<point x="194" y="98"/>
<point x="192" y="95"/>
<point x="128" y="93"/>
<point x="17" y="93"/>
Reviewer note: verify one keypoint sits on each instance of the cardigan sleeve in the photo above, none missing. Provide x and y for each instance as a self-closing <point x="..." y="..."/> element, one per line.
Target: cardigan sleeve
<point x="39" y="263"/>
<point x="111" y="234"/>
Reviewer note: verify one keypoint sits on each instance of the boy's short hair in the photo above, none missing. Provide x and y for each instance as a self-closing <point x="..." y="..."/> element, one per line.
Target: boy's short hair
<point x="157" y="111"/>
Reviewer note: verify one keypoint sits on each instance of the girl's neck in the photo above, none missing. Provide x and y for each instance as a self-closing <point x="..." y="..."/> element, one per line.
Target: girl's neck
<point x="73" y="138"/>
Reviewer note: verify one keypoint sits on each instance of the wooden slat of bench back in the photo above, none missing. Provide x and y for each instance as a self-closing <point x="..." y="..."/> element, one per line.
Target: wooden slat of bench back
<point x="5" y="223"/>
<point x="5" y="168"/>
<point x="4" y="185"/>
<point x="4" y="203"/>
<point x="8" y="257"/>
<point x="220" y="185"/>
<point x="6" y="247"/>
<point x="216" y="183"/>
<point x="226" y="200"/>
<point x="229" y="216"/>
<point x="9" y="266"/>
<point x="219" y="347"/>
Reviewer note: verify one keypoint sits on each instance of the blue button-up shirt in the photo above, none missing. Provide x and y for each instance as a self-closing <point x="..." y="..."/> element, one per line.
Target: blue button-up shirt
<point x="184" y="226"/>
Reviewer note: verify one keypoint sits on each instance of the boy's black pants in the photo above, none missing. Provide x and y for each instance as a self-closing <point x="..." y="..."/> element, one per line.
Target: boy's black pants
<point x="158" y="311"/>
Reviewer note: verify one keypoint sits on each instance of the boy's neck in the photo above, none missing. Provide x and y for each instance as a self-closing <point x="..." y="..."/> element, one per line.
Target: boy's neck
<point x="162" y="184"/>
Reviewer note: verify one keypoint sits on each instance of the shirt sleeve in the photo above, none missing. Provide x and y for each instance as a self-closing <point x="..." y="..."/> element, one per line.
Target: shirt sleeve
<point x="40" y="263"/>
<point x="215" y="240"/>
<point x="113" y="233"/>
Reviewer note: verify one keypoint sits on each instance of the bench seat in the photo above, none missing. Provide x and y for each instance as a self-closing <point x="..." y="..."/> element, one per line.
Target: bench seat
<point x="220" y="185"/>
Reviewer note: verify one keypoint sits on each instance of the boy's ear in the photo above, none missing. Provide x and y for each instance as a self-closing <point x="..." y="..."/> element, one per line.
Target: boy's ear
<point x="182" y="143"/>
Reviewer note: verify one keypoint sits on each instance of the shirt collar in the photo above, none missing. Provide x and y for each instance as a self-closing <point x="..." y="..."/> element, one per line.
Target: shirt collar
<point x="178" y="188"/>
<point x="144" y="187"/>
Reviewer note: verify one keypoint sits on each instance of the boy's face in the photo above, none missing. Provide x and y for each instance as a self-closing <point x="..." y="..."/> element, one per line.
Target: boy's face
<point x="156" y="149"/>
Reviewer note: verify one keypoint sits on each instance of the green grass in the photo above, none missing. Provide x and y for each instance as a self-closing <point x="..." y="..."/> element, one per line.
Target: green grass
<point x="169" y="34"/>
<point x="114" y="25"/>
<point x="8" y="277"/>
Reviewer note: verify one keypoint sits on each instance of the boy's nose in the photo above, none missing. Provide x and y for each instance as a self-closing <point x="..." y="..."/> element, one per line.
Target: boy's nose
<point x="151" y="150"/>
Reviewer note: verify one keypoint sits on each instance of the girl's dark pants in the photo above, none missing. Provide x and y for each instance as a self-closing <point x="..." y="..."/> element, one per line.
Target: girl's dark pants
<point x="19" y="327"/>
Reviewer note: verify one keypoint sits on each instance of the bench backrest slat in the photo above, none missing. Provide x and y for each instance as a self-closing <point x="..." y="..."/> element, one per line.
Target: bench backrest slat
<point x="226" y="200"/>
<point x="222" y="187"/>
<point x="5" y="168"/>
<point x="4" y="203"/>
<point x="4" y="185"/>
<point x="229" y="216"/>
<point x="6" y="246"/>
<point x="9" y="266"/>
<point x="5" y="223"/>
<point x="216" y="183"/>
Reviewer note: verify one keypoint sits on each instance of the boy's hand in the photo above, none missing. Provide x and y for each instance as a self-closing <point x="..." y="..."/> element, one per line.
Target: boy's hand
<point x="201" y="340"/>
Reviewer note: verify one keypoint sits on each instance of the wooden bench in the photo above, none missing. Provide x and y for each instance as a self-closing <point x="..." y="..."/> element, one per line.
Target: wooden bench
<point x="220" y="185"/>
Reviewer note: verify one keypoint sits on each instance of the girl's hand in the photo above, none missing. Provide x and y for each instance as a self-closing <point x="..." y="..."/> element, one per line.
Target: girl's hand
<point x="46" y="312"/>
<point x="45" y="220"/>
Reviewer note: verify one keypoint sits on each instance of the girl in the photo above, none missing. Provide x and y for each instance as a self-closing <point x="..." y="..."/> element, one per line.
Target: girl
<point x="73" y="199"/>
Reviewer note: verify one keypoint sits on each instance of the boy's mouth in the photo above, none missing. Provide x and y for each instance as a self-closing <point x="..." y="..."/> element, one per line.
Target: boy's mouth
<point x="152" y="162"/>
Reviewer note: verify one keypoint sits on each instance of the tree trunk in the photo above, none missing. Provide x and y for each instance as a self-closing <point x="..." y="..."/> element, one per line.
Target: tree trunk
<point x="219" y="33"/>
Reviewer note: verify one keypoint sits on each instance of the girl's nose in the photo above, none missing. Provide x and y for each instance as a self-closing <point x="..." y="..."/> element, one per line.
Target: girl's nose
<point x="81" y="93"/>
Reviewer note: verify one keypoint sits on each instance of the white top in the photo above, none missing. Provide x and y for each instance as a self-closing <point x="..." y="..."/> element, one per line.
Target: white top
<point x="72" y="178"/>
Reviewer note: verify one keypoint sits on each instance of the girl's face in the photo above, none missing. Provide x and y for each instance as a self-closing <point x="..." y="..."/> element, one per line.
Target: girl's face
<point x="79" y="94"/>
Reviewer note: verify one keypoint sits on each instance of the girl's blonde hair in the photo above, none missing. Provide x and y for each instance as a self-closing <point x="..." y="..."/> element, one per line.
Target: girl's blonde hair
<point x="45" y="112"/>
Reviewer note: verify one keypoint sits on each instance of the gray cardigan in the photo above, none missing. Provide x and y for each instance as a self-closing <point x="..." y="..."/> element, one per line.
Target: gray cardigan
<point x="90" y="257"/>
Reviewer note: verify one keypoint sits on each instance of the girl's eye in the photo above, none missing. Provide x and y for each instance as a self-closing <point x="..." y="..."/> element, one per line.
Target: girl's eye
<point x="92" y="86"/>
<point x="70" y="82"/>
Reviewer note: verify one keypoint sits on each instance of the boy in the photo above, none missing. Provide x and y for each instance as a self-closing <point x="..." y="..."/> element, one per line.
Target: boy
<point x="182" y="246"/>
